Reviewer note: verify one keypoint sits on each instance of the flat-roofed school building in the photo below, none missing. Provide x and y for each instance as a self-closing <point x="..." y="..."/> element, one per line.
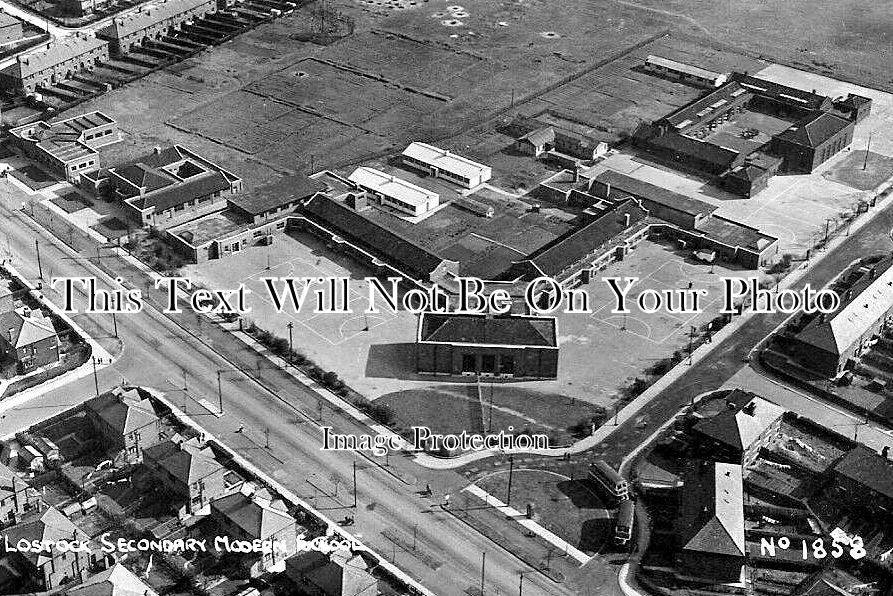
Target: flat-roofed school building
<point x="67" y="147"/>
<point x="498" y="346"/>
<point x="445" y="164"/>
<point x="686" y="73"/>
<point x="394" y="192"/>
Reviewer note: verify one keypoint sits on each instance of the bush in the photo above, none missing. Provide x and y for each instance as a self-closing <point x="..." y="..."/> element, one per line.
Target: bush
<point x="382" y="413"/>
<point x="279" y="346"/>
<point x="661" y="367"/>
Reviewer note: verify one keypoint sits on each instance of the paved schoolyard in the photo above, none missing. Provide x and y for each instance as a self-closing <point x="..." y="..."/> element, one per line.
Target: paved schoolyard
<point x="598" y="355"/>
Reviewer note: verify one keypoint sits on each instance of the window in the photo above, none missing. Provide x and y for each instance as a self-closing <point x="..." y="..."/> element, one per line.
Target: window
<point x="468" y="363"/>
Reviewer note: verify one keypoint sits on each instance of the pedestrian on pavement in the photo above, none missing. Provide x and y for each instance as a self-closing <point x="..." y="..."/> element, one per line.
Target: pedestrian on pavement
<point x="241" y="428"/>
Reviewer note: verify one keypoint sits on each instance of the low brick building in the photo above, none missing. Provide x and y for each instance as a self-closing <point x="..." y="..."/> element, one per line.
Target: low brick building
<point x="499" y="346"/>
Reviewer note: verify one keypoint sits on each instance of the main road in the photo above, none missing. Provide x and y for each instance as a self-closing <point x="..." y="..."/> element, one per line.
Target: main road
<point x="159" y="353"/>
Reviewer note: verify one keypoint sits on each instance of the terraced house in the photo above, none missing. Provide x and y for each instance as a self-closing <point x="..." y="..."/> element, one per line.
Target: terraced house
<point x="54" y="63"/>
<point x="152" y="22"/>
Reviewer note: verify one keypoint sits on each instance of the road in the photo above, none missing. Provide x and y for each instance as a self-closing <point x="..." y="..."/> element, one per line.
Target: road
<point x="160" y="354"/>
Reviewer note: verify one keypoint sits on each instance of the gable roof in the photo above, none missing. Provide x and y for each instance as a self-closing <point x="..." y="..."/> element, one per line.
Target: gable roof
<point x="814" y="129"/>
<point x="872" y="296"/>
<point x="282" y="192"/>
<point x="117" y="580"/>
<point x="868" y="468"/>
<point x="623" y="184"/>
<point x="340" y="573"/>
<point x="445" y="160"/>
<point x="746" y="419"/>
<point x="369" y="235"/>
<point x="540" y="136"/>
<point x="711" y="519"/>
<point x="782" y="93"/>
<point x="259" y="519"/>
<point x="147" y="16"/>
<point x="23" y="327"/>
<point x="49" y="525"/>
<point x="123" y="410"/>
<point x="10" y="483"/>
<point x="392" y="186"/>
<point x="52" y="54"/>
<point x="480" y="330"/>
<point x="186" y="462"/>
<point x="570" y="249"/>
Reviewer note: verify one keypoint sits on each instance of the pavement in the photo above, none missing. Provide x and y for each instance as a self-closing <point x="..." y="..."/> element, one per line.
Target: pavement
<point x="280" y="413"/>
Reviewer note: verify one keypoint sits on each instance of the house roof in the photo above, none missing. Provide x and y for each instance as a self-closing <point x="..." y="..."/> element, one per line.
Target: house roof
<point x="624" y="184"/>
<point x="540" y="136"/>
<point x="259" y="519"/>
<point x="282" y="192"/>
<point x="782" y="93"/>
<point x="186" y="462"/>
<point x="183" y="192"/>
<point x="123" y="410"/>
<point x="339" y="573"/>
<point x="867" y="468"/>
<point x="872" y="295"/>
<point x="369" y="235"/>
<point x="117" y="580"/>
<point x="445" y="160"/>
<point x="481" y="330"/>
<point x="10" y="483"/>
<point x="711" y="519"/>
<point x="49" y="525"/>
<point x="23" y="327"/>
<point x="147" y="16"/>
<point x="746" y="419"/>
<point x="392" y="186"/>
<point x="52" y="54"/>
<point x="814" y="129"/>
<point x="721" y="157"/>
<point x="568" y="250"/>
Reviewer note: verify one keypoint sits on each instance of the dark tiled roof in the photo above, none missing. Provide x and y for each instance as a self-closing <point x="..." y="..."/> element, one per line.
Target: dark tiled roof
<point x="568" y="250"/>
<point x="692" y="148"/>
<point x="286" y="190"/>
<point x="815" y="129"/>
<point x="871" y="470"/>
<point x="185" y="192"/>
<point x="783" y="93"/>
<point x="711" y="519"/>
<point x="482" y="330"/>
<point x="367" y="234"/>
<point x="540" y="136"/>
<point x="143" y="176"/>
<point x="649" y="192"/>
<point x="728" y="92"/>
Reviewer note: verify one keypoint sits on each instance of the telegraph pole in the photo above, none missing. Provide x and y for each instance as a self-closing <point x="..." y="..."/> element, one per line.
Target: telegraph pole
<point x="115" y="323"/>
<point x="508" y="497"/>
<point x="95" y="377"/>
<point x="290" y="344"/>
<point x="219" y="393"/>
<point x="354" y="484"/>
<point x="867" y="149"/>
<point x="39" y="267"/>
<point x="483" y="570"/>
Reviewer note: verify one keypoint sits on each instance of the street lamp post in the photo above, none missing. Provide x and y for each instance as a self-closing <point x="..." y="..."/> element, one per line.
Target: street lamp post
<point x="290" y="344"/>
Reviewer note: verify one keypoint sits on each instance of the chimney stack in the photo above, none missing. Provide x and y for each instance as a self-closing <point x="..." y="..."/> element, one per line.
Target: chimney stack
<point x="626" y="219"/>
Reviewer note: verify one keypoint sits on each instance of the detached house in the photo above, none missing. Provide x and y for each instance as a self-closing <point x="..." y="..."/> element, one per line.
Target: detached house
<point x="16" y="498"/>
<point x="46" y="570"/>
<point x="188" y="471"/>
<point x="256" y="516"/>
<point x="340" y="573"/>
<point x="28" y="338"/>
<point x="124" y="420"/>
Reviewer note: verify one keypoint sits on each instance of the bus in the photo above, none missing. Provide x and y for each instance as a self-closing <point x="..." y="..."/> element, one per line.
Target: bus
<point x="623" y="526"/>
<point x="609" y="480"/>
